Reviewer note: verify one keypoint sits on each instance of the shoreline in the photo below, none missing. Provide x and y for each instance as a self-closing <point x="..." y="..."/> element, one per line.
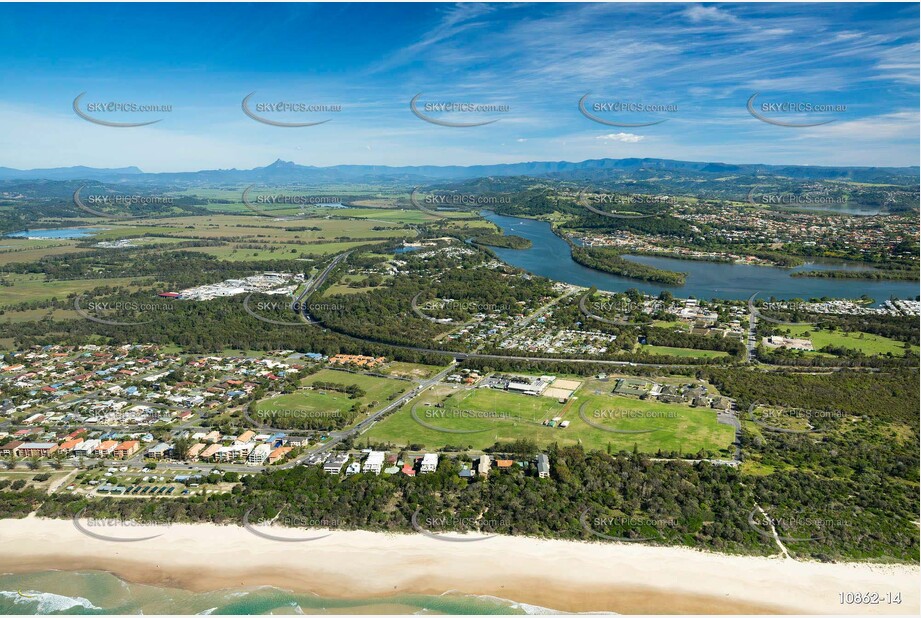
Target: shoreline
<point x="560" y="575"/>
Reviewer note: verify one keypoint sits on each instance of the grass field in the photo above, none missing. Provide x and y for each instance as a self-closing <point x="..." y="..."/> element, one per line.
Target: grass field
<point x="501" y="416"/>
<point x="682" y="352"/>
<point x="322" y="404"/>
<point x="869" y="344"/>
<point x="29" y="287"/>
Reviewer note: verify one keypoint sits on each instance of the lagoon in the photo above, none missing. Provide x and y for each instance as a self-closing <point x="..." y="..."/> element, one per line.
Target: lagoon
<point x="59" y="233"/>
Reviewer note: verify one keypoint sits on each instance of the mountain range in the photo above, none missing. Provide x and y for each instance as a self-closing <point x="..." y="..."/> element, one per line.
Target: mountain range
<point x="592" y="169"/>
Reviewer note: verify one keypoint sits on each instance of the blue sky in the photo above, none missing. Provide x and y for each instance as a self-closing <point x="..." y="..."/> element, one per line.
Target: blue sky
<point x="704" y="60"/>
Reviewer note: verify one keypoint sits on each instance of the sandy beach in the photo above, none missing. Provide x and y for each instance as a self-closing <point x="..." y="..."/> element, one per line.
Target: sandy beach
<point x="567" y="576"/>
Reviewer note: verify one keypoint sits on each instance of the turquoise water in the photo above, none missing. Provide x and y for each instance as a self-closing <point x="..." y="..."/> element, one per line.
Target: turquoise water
<point x="91" y="593"/>
<point x="549" y="256"/>
<point x="64" y="232"/>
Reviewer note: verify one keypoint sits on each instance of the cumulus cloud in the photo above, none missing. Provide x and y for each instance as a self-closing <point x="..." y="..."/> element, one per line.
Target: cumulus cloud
<point x="629" y="138"/>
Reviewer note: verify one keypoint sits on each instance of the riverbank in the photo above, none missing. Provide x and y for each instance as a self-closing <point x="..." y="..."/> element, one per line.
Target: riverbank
<point x="550" y="256"/>
<point x="566" y="576"/>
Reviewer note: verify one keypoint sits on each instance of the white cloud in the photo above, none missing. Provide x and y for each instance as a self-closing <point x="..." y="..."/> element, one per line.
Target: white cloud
<point x="629" y="138"/>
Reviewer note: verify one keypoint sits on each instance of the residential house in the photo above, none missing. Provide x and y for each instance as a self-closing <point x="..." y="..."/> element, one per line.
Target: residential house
<point x="11" y="448"/>
<point x="543" y="466"/>
<point x="374" y="463"/>
<point x="334" y="463"/>
<point x="278" y="454"/>
<point x="429" y="463"/>
<point x="483" y="465"/>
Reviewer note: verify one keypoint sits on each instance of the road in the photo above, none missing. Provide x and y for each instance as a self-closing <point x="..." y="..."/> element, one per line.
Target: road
<point x="752" y="337"/>
<point x="336" y="437"/>
<point x="319" y="280"/>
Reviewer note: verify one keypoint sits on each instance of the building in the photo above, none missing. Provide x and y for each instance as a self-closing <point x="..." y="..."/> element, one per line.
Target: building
<point x="278" y="454"/>
<point x="792" y="343"/>
<point x="195" y="450"/>
<point x="335" y="462"/>
<point x="246" y="436"/>
<point x="543" y="466"/>
<point x="235" y="451"/>
<point x="11" y="449"/>
<point x="70" y="445"/>
<point x="105" y="448"/>
<point x="258" y="455"/>
<point x="126" y="449"/>
<point x="483" y="465"/>
<point x="210" y="451"/>
<point x="86" y="449"/>
<point x="374" y="463"/>
<point x="296" y="441"/>
<point x="505" y="464"/>
<point x="37" y="449"/>
<point x="353" y="468"/>
<point x="160" y="451"/>
<point x="356" y="359"/>
<point x="429" y="463"/>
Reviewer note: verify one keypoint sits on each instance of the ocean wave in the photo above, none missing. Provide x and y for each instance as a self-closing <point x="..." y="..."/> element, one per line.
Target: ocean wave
<point x="46" y="602"/>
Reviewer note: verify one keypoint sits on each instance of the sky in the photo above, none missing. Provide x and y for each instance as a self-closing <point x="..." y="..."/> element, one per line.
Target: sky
<point x="697" y="65"/>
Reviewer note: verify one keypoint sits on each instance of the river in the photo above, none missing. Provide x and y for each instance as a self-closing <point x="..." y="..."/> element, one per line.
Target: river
<point x="549" y="256"/>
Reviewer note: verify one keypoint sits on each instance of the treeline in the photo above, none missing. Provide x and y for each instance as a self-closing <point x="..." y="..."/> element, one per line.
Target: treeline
<point x="588" y="495"/>
<point x="869" y="275"/>
<point x="502" y="241"/>
<point x="677" y="339"/>
<point x="352" y="390"/>
<point x="610" y="261"/>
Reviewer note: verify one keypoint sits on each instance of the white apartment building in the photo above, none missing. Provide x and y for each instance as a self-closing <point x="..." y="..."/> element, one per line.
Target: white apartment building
<point x="374" y="463"/>
<point x="429" y="463"/>
<point x="258" y="455"/>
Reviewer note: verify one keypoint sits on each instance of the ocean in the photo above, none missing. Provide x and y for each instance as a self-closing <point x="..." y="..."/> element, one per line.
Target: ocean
<point x="89" y="593"/>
